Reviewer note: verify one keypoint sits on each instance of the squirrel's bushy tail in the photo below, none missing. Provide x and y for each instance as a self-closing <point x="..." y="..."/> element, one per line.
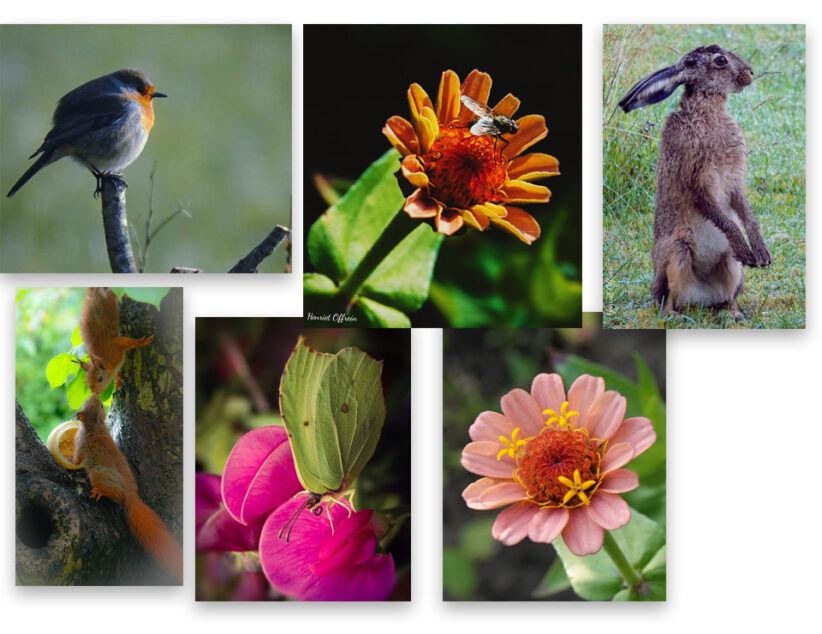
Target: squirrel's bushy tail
<point x="151" y="532"/>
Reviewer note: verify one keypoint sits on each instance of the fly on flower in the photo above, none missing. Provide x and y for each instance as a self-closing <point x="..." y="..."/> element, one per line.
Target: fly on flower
<point x="488" y="122"/>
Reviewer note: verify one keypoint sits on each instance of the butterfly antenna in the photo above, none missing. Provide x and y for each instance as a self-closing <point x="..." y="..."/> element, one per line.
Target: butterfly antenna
<point x="291" y="521"/>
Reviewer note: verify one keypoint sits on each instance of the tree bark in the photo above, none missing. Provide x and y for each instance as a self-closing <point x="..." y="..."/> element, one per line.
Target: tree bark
<point x="64" y="537"/>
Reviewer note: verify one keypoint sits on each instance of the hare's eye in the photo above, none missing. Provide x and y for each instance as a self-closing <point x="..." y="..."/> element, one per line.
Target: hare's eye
<point x="720" y="61"/>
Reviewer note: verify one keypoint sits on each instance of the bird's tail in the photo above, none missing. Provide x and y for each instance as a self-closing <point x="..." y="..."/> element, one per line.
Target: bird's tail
<point x="39" y="164"/>
<point x="151" y="532"/>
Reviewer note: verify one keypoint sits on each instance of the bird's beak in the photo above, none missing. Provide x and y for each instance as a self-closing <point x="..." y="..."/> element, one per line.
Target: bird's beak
<point x="154" y="95"/>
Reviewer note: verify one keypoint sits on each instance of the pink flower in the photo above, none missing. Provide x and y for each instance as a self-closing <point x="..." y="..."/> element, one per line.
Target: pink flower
<point x="557" y="461"/>
<point x="318" y="565"/>
<point x="260" y="492"/>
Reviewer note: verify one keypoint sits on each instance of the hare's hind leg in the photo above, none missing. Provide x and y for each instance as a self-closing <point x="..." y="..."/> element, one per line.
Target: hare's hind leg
<point x="674" y="276"/>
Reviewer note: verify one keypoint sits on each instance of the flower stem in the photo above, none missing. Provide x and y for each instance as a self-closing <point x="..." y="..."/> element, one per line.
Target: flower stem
<point x="618" y="557"/>
<point x="394" y="233"/>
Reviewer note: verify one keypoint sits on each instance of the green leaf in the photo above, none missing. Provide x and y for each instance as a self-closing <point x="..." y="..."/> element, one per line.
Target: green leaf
<point x="373" y="314"/>
<point x="77" y="391"/>
<point x="341" y="237"/>
<point x="59" y="368"/>
<point x="76" y="339"/>
<point x="333" y="409"/>
<point x="554" y="582"/>
<point x="596" y="577"/>
<point x="458" y="575"/>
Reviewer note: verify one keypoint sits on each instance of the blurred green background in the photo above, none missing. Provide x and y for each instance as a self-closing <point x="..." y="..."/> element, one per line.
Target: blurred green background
<point x="481" y="366"/>
<point x="221" y="144"/>
<point x="771" y="113"/>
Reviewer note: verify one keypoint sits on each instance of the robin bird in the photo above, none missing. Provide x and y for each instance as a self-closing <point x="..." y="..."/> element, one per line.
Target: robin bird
<point x="103" y="124"/>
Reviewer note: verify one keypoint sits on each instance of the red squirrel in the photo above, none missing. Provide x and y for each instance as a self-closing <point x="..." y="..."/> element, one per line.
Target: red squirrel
<point x="100" y="330"/>
<point x="111" y="477"/>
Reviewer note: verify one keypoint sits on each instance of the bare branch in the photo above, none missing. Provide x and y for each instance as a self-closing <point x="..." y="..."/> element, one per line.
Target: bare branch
<point x="250" y="262"/>
<point x="115" y="225"/>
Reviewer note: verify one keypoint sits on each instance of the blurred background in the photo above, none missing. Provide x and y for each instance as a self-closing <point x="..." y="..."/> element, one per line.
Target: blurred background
<point x="481" y="366"/>
<point x="239" y="365"/>
<point x="221" y="144"/>
<point x="357" y="77"/>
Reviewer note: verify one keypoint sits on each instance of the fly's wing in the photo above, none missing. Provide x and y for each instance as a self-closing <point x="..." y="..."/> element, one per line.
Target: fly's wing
<point x="479" y="109"/>
<point x="351" y="408"/>
<point x="484" y="127"/>
<point x="318" y="468"/>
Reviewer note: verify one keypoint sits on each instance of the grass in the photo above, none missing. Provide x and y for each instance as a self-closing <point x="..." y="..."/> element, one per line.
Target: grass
<point x="772" y="114"/>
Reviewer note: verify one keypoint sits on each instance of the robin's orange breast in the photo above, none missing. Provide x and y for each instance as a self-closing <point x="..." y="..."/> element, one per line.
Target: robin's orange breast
<point x="146" y="110"/>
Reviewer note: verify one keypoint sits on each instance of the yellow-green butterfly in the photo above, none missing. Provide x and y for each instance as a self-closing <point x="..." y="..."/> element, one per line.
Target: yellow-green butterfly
<point x="333" y="409"/>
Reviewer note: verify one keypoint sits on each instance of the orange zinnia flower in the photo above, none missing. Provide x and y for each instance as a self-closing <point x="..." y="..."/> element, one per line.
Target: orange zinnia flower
<point x="461" y="178"/>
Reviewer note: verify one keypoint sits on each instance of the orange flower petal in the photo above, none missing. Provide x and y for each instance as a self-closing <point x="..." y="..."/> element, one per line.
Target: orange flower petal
<point x="522" y="192"/>
<point x="476" y="217"/>
<point x="421" y="205"/>
<point x="532" y="128"/>
<point x="477" y="86"/>
<point x="519" y="223"/>
<point x="413" y="171"/>
<point x="507" y="106"/>
<point x="529" y="167"/>
<point x="449" y="221"/>
<point x="417" y="100"/>
<point x="448" y="98"/>
<point x="491" y="209"/>
<point x="401" y="135"/>
<point x="427" y="129"/>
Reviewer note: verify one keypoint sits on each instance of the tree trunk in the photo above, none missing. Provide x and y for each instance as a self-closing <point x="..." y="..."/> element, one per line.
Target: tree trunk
<point x="64" y="537"/>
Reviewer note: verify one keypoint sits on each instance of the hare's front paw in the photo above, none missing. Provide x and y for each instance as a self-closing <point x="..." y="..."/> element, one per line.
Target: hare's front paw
<point x="745" y="256"/>
<point x="761" y="253"/>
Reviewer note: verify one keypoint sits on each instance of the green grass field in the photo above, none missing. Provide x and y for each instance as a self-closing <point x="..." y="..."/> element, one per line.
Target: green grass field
<point x="771" y="112"/>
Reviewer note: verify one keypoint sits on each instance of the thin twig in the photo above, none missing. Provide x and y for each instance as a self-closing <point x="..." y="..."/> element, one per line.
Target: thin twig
<point x="250" y="262"/>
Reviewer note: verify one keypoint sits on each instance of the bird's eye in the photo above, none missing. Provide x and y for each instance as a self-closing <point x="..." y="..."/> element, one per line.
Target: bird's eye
<point x="721" y="60"/>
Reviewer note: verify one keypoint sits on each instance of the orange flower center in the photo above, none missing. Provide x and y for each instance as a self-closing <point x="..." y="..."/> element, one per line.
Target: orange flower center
<point x="465" y="170"/>
<point x="547" y="464"/>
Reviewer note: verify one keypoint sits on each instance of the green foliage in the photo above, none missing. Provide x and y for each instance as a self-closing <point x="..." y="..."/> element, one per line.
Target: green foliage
<point x="596" y="577"/>
<point x="459" y="563"/>
<point x="341" y="237"/>
<point x="771" y="113"/>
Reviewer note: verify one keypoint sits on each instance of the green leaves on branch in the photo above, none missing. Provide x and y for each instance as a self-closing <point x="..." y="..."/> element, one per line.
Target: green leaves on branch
<point x="596" y="577"/>
<point x="342" y="237"/>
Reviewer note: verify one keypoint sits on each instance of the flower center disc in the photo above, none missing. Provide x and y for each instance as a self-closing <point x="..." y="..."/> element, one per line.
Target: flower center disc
<point x="553" y="454"/>
<point x="464" y="169"/>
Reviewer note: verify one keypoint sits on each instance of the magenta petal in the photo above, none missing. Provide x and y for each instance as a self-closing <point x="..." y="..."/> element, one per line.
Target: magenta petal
<point x="619" y="481"/>
<point x="609" y="511"/>
<point x="207" y="498"/>
<point x="222" y="532"/>
<point x="581" y="534"/>
<point x="546" y="525"/>
<point x="522" y="411"/>
<point x="548" y="391"/>
<point x="289" y="565"/>
<point x="259" y="474"/>
<point x="356" y="549"/>
<point x="511" y="526"/>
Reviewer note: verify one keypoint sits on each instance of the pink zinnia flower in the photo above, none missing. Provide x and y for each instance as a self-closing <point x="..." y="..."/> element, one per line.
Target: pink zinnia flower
<point x="557" y="461"/>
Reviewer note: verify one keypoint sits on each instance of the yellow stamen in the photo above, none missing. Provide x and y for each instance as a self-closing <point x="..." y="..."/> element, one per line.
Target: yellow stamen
<point x="576" y="487"/>
<point x="559" y="419"/>
<point x="512" y="446"/>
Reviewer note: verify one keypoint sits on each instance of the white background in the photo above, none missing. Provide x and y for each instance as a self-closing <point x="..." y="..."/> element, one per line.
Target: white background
<point x="743" y="428"/>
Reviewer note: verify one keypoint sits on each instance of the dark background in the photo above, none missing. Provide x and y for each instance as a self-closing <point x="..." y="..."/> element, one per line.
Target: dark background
<point x="356" y="77"/>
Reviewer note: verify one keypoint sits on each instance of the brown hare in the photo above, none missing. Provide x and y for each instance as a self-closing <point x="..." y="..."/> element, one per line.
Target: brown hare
<point x="699" y="249"/>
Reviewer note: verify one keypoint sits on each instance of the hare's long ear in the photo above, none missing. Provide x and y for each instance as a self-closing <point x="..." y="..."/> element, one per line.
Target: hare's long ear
<point x="653" y="89"/>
